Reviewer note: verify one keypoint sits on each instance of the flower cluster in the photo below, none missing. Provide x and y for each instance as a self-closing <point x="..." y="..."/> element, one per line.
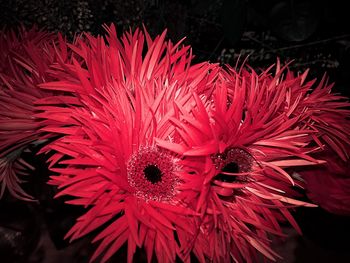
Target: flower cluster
<point x="177" y="158"/>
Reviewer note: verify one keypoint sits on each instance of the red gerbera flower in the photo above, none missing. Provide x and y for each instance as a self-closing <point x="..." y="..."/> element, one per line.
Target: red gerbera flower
<point x="328" y="115"/>
<point x="24" y="58"/>
<point x="240" y="140"/>
<point x="169" y="156"/>
<point x="329" y="185"/>
<point x="319" y="108"/>
<point x="118" y="102"/>
<point x="24" y="64"/>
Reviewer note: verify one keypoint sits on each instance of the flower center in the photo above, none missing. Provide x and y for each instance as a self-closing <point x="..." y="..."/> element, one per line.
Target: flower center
<point x="152" y="173"/>
<point x="233" y="160"/>
<point x="231" y="166"/>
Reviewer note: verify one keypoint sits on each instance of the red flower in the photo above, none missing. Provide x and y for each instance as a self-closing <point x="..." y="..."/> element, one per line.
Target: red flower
<point x="328" y="115"/>
<point x="24" y="59"/>
<point x="329" y="185"/>
<point x="118" y="102"/>
<point x="169" y="156"/>
<point x="320" y="109"/>
<point x="241" y="140"/>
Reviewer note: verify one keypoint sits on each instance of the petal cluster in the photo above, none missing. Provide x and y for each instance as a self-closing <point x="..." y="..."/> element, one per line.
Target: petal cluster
<point x="24" y="60"/>
<point x="174" y="157"/>
<point x="124" y="101"/>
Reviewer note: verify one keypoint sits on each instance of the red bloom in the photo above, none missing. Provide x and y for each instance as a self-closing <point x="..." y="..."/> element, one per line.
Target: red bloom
<point x="328" y="115"/>
<point x="241" y="140"/>
<point x="318" y="108"/>
<point x="151" y="173"/>
<point x="24" y="59"/>
<point x="118" y="101"/>
<point x="144" y="164"/>
<point x="329" y="185"/>
<point x="169" y="156"/>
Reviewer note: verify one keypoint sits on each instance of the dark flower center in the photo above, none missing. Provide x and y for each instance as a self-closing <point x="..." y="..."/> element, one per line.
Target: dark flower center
<point x="153" y="173"/>
<point x="231" y="167"/>
<point x="232" y="162"/>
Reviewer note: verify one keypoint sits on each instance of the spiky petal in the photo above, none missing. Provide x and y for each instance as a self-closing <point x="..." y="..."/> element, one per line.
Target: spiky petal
<point x="107" y="156"/>
<point x="241" y="141"/>
<point x="24" y="59"/>
<point x="327" y="113"/>
<point x="318" y="107"/>
<point x="329" y="185"/>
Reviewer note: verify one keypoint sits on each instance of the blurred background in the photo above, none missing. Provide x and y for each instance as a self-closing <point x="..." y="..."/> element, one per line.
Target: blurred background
<point x="314" y="34"/>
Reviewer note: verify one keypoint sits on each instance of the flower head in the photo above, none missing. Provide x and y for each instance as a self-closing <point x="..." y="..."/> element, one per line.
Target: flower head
<point x="152" y="173"/>
<point x="327" y="114"/>
<point x="25" y="57"/>
<point x="329" y="185"/>
<point x="165" y="155"/>
<point x="137" y="193"/>
<point x="241" y="140"/>
<point x="318" y="107"/>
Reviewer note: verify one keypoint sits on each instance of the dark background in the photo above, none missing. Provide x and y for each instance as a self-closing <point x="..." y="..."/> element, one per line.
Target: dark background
<point x="314" y="34"/>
